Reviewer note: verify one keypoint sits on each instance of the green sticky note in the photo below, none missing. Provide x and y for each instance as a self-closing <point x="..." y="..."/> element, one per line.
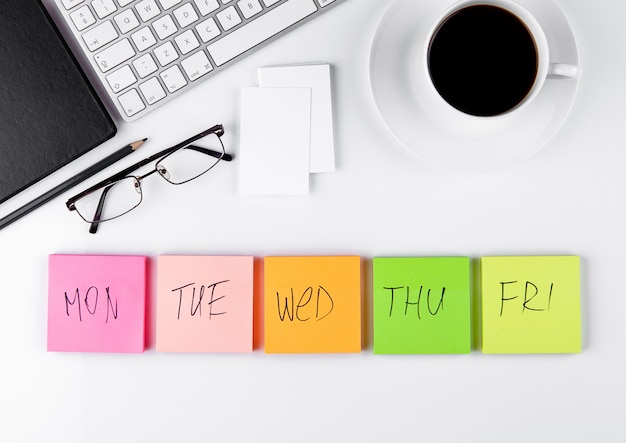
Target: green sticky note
<point x="530" y="304"/>
<point x="422" y="305"/>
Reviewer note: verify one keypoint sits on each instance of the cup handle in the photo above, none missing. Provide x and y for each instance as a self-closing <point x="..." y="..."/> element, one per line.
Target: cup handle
<point x="563" y="71"/>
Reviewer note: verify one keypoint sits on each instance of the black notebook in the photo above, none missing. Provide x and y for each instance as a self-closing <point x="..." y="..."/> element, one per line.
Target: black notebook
<point x="49" y="113"/>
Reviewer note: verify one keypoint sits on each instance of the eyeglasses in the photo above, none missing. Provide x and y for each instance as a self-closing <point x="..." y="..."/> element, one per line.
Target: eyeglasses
<point x="121" y="193"/>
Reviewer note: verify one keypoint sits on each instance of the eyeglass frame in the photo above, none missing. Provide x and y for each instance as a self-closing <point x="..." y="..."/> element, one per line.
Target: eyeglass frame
<point x="125" y="173"/>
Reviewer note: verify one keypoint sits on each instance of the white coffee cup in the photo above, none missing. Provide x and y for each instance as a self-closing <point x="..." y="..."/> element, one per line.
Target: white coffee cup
<point x="547" y="67"/>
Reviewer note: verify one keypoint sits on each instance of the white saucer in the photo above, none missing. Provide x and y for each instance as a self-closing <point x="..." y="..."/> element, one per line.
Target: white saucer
<point x="452" y="139"/>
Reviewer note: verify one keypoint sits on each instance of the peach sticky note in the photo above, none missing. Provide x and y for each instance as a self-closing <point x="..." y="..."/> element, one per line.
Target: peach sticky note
<point x="530" y="304"/>
<point x="422" y="305"/>
<point x="312" y="304"/>
<point x="204" y="303"/>
<point x="96" y="303"/>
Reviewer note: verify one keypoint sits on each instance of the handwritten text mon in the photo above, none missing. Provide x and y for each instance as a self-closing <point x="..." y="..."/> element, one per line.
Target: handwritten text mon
<point x="90" y="303"/>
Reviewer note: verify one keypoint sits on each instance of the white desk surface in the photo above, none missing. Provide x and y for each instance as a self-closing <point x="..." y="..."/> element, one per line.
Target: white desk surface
<point x="566" y="199"/>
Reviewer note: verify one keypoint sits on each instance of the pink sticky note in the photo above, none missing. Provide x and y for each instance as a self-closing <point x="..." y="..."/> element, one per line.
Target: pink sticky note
<point x="96" y="303"/>
<point x="204" y="304"/>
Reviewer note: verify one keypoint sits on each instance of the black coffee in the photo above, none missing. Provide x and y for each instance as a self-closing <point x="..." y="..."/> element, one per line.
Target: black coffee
<point x="483" y="60"/>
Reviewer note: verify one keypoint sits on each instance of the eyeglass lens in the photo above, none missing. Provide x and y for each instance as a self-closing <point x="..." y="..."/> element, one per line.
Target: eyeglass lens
<point x="110" y="201"/>
<point x="188" y="163"/>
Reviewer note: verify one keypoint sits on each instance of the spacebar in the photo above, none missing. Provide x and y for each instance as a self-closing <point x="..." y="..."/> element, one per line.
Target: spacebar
<point x="260" y="29"/>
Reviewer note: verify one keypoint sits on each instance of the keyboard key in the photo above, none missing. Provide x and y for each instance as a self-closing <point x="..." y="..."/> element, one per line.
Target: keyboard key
<point x="228" y="18"/>
<point x="126" y="21"/>
<point x="164" y="27"/>
<point x="197" y="65"/>
<point x="147" y="9"/>
<point x="145" y="65"/>
<point x="167" y="4"/>
<point x="82" y="18"/>
<point x="186" y="42"/>
<point x="185" y="15"/>
<point x="173" y="79"/>
<point x="131" y="102"/>
<point x="143" y="39"/>
<point x="114" y="55"/>
<point x="99" y="36"/>
<point x="125" y="2"/>
<point x="208" y="30"/>
<point x="206" y="6"/>
<point x="69" y="4"/>
<point x="325" y="2"/>
<point x="121" y="79"/>
<point x="104" y="8"/>
<point x="260" y="29"/>
<point x="269" y="3"/>
<point x="152" y="91"/>
<point x="166" y="54"/>
<point x="249" y="8"/>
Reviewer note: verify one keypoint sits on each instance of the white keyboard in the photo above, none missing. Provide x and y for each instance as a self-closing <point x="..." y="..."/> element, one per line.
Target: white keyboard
<point x="146" y="52"/>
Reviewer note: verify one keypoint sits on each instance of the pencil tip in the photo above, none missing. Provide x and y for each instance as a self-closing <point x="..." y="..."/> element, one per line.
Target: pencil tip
<point x="137" y="144"/>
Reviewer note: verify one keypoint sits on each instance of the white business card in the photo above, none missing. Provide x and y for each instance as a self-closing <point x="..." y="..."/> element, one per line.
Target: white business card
<point x="317" y="78"/>
<point x="274" y="146"/>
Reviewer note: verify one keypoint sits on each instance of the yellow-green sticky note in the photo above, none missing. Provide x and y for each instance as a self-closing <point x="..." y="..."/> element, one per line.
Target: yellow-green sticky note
<point x="422" y="305"/>
<point x="530" y="304"/>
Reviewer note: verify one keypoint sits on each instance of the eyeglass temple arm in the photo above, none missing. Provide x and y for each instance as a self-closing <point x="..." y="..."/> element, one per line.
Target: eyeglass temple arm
<point x="212" y="153"/>
<point x="217" y="130"/>
<point x="93" y="228"/>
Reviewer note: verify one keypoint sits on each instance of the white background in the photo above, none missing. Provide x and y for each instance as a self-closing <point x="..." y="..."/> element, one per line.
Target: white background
<point x="382" y="200"/>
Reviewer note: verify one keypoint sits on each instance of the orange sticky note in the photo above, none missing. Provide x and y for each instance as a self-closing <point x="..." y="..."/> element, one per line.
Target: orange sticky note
<point x="312" y="304"/>
<point x="204" y="303"/>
